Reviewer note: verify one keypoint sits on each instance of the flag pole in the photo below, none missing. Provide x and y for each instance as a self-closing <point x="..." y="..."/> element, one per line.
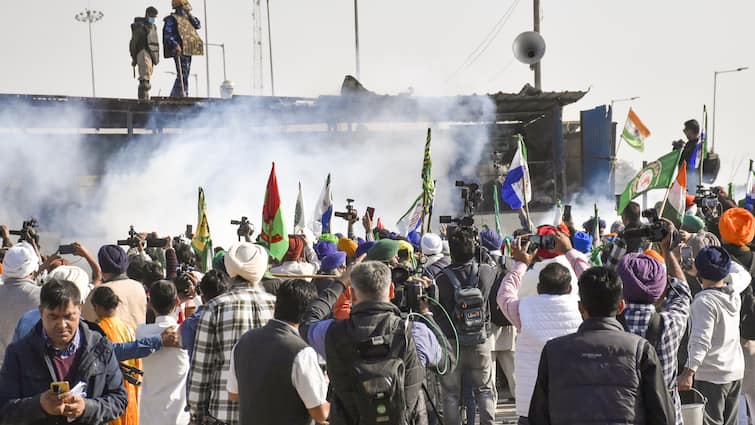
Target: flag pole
<point x="704" y="147"/>
<point x="430" y="212"/>
<point x="527" y="209"/>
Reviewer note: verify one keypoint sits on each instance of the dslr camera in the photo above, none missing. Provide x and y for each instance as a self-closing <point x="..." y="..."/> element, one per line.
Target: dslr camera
<point x="707" y="202"/>
<point x="655" y="231"/>
<point x="410" y="290"/>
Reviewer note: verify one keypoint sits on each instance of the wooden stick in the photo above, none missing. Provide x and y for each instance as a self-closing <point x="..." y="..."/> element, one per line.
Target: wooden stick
<point x="304" y="276"/>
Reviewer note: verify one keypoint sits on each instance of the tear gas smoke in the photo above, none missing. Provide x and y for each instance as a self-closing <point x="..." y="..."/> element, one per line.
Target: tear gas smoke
<point x="152" y="182"/>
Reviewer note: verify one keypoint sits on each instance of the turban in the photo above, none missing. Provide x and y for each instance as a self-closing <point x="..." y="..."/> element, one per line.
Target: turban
<point x="383" y="250"/>
<point x="692" y="223"/>
<point x="333" y="261"/>
<point x="113" y="259"/>
<point x="431" y="244"/>
<point x="364" y="247"/>
<point x="72" y="274"/>
<point x="295" y="247"/>
<point x="20" y="261"/>
<point x="655" y="255"/>
<point x="737" y="226"/>
<point x="324" y="248"/>
<point x="582" y="242"/>
<point x="713" y="263"/>
<point x="543" y="231"/>
<point x="175" y="3"/>
<point x="348" y="246"/>
<point x="643" y="278"/>
<point x="330" y="238"/>
<point x="218" y="262"/>
<point x="246" y="260"/>
<point x="700" y="240"/>
<point x="491" y="240"/>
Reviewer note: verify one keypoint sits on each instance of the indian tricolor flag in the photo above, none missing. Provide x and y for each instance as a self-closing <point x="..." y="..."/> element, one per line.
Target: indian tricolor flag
<point x="635" y="132"/>
<point x="676" y="204"/>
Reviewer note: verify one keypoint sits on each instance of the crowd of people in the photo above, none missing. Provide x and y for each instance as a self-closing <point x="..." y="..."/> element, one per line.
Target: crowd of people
<point x="591" y="325"/>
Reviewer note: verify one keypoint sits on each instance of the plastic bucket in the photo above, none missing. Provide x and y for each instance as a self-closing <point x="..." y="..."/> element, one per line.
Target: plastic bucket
<point x="693" y="407"/>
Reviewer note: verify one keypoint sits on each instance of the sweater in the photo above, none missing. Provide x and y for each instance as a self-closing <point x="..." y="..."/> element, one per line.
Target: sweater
<point x="17" y="296"/>
<point x="715" y="353"/>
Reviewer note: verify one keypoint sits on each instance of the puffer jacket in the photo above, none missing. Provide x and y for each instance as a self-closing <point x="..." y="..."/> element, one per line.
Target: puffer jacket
<point x="600" y="375"/>
<point x="543" y="317"/>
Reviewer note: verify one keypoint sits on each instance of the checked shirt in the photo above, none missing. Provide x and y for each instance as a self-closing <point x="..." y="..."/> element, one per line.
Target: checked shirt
<point x="223" y="321"/>
<point x="674" y="315"/>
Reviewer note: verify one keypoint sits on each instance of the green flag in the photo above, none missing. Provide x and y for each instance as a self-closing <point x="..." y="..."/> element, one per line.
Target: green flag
<point x="657" y="175"/>
<point x="201" y="243"/>
<point x="428" y="185"/>
<point x="273" y="234"/>
<point x="497" y="208"/>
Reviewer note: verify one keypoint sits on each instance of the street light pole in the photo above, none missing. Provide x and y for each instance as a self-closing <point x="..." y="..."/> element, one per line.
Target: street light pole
<point x="270" y="50"/>
<point x="90" y="16"/>
<point x="207" y="53"/>
<point x="356" y="34"/>
<point x="536" y="27"/>
<point x="715" y="89"/>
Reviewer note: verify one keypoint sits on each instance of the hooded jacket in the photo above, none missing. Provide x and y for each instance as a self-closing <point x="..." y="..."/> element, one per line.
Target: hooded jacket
<point x="715" y="353"/>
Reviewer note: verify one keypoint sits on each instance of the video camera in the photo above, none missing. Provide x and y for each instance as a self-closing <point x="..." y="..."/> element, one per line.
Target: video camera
<point x="28" y="231"/>
<point x="187" y="236"/>
<point x="134" y="240"/>
<point x="350" y="215"/>
<point x="410" y="289"/>
<point x="245" y="227"/>
<point x="472" y="197"/>
<point x="655" y="231"/>
<point x="707" y="202"/>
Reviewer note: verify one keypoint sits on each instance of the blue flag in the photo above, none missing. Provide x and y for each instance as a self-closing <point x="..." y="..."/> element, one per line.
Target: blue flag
<point x="516" y="189"/>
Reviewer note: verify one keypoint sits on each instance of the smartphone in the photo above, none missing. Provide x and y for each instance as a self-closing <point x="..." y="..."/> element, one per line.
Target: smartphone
<point x="371" y="212"/>
<point x="66" y="249"/>
<point x="60" y="387"/>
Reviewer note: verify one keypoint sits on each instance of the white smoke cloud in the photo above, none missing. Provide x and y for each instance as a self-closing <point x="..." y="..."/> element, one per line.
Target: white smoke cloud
<point x="152" y="182"/>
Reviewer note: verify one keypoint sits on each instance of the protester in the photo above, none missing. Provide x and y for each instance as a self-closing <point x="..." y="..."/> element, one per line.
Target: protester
<point x="737" y="229"/>
<point x="222" y="322"/>
<point x="660" y="319"/>
<point x="133" y="306"/>
<point x="463" y="290"/>
<point x="715" y="361"/>
<point x="145" y="49"/>
<point x="294" y="262"/>
<point x="284" y="384"/>
<point x="18" y="292"/>
<point x="544" y="258"/>
<point x="61" y="348"/>
<point x="163" y="399"/>
<point x="690" y="149"/>
<point x="180" y="42"/>
<point x="600" y="374"/>
<point x="213" y="283"/>
<point x="376" y="330"/>
<point x="551" y="313"/>
<point x="105" y="303"/>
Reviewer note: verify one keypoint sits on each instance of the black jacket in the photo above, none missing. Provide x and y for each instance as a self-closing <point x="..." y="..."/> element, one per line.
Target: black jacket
<point x="24" y="376"/>
<point x="613" y="377"/>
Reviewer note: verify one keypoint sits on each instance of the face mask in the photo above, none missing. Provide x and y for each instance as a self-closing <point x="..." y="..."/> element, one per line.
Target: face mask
<point x="151" y="20"/>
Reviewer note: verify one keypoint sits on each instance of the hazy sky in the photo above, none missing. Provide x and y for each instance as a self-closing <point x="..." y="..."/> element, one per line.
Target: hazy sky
<point x="663" y="51"/>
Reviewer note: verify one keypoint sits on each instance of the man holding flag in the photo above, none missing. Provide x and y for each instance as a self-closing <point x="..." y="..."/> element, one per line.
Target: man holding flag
<point x="692" y="153"/>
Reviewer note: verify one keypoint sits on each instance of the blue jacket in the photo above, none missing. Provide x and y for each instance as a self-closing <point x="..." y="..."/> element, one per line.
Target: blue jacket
<point x="24" y="376"/>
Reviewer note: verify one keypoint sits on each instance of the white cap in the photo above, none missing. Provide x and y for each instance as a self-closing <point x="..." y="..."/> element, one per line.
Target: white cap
<point x="72" y="274"/>
<point x="20" y="261"/>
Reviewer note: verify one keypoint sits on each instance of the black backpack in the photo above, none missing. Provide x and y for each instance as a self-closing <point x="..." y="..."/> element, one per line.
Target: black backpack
<point x="379" y="372"/>
<point x="469" y="315"/>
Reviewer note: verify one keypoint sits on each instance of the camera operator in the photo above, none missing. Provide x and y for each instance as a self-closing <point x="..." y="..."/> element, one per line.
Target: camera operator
<point x="543" y="258"/>
<point x="374" y="342"/>
<point x="463" y="291"/>
<point x="632" y="219"/>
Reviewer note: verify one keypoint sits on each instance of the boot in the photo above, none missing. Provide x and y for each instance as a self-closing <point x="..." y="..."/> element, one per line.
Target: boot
<point x="143" y="91"/>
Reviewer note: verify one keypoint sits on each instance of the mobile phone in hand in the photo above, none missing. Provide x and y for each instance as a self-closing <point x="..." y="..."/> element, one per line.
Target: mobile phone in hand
<point x="60" y="387"/>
